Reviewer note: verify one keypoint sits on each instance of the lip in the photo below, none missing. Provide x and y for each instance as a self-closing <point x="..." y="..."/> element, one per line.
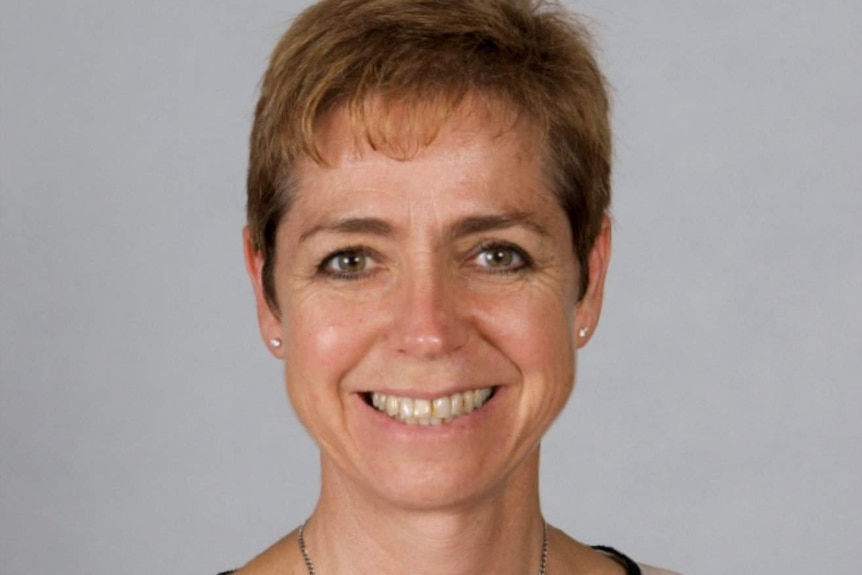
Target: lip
<point x="424" y="394"/>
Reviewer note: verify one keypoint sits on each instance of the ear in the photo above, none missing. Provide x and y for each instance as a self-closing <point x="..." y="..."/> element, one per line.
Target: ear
<point x="267" y="319"/>
<point x="590" y="307"/>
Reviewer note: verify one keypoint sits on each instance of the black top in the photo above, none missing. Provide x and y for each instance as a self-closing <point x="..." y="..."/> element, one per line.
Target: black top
<point x="631" y="567"/>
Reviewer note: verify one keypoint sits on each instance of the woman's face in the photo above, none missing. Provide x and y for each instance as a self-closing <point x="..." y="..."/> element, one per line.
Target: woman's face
<point x="409" y="290"/>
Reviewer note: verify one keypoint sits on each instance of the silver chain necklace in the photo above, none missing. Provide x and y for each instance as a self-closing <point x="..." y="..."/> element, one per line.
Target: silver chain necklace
<point x="311" y="570"/>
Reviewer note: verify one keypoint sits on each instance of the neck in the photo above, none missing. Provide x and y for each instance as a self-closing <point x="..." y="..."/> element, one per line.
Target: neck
<point x="353" y="530"/>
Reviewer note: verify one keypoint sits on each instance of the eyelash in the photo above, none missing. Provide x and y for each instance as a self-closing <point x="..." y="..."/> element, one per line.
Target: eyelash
<point x="526" y="262"/>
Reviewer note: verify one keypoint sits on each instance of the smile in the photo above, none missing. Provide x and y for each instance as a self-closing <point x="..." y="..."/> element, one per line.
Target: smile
<point x="438" y="411"/>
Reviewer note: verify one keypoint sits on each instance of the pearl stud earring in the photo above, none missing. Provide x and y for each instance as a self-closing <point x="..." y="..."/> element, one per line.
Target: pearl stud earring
<point x="275" y="342"/>
<point x="583" y="331"/>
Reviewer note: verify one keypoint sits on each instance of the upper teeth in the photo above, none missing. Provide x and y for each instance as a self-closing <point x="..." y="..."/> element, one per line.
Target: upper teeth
<point x="430" y="411"/>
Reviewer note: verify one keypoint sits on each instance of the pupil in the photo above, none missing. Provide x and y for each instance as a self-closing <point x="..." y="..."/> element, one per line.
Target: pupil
<point x="499" y="257"/>
<point x="352" y="262"/>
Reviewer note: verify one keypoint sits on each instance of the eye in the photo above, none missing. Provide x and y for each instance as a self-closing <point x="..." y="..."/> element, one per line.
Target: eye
<point x="350" y="263"/>
<point x="502" y="258"/>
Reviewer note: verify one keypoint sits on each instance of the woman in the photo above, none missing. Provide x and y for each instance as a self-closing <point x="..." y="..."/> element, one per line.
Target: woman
<point x="428" y="240"/>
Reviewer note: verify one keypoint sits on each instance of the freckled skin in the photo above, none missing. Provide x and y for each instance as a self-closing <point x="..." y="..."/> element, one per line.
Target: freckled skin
<point x="427" y="314"/>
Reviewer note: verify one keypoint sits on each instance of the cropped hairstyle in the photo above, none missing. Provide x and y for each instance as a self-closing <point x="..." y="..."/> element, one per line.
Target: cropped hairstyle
<point x="425" y="57"/>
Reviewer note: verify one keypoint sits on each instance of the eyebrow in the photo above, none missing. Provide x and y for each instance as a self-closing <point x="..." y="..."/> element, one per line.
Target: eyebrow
<point x="485" y="223"/>
<point x="462" y="228"/>
<point x="373" y="226"/>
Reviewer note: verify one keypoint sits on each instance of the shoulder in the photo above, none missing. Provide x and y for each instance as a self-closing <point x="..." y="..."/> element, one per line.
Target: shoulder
<point x="647" y="570"/>
<point x="282" y="558"/>
<point x="628" y="564"/>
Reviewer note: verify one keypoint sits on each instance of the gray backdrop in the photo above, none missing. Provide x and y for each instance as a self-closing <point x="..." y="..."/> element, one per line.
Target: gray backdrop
<point x="716" y="425"/>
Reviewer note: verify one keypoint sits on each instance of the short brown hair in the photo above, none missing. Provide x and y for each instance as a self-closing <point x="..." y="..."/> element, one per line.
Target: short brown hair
<point x="531" y="55"/>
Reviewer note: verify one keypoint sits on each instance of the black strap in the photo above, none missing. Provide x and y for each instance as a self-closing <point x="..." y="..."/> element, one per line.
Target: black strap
<point x="631" y="567"/>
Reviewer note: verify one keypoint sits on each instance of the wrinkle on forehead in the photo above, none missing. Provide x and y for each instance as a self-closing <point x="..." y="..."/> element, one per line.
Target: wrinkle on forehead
<point x="463" y="157"/>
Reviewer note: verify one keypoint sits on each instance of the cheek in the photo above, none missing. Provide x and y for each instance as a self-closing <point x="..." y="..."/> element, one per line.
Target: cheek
<point x="536" y="333"/>
<point x="547" y="348"/>
<point x="542" y="306"/>
<point x="324" y="339"/>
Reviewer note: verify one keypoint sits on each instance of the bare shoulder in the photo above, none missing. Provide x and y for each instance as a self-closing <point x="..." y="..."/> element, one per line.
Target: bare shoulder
<point x="647" y="570"/>
<point x="571" y="556"/>
<point x="282" y="558"/>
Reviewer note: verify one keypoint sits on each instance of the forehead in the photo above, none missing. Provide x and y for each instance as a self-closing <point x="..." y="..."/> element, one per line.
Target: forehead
<point x="479" y="160"/>
<point x="474" y="155"/>
<point x="403" y="130"/>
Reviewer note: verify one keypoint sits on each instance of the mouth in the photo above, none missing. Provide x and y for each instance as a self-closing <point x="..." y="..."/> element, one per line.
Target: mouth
<point x="432" y="412"/>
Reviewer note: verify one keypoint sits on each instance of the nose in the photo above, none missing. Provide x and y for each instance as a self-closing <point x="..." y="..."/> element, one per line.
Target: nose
<point x="428" y="321"/>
